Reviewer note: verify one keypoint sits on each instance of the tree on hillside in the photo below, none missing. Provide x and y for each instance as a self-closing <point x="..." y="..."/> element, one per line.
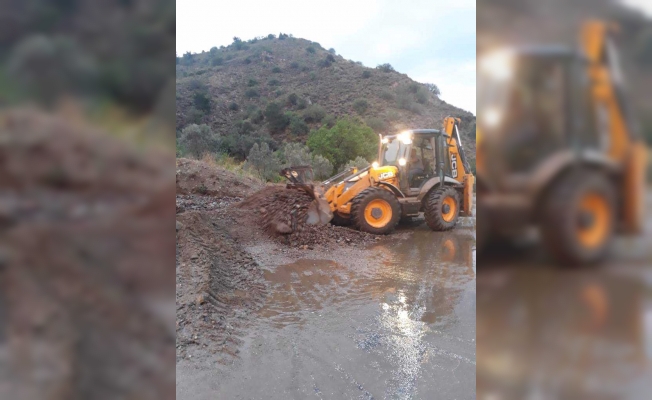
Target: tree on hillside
<point x="432" y="88"/>
<point x="385" y="67"/>
<point x="358" y="162"/>
<point x="321" y="167"/>
<point x="276" y="119"/>
<point x="294" y="154"/>
<point x="345" y="141"/>
<point x="198" y="139"/>
<point x="263" y="162"/>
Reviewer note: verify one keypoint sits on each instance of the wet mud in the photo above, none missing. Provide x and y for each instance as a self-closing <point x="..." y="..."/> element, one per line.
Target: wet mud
<point x="394" y="318"/>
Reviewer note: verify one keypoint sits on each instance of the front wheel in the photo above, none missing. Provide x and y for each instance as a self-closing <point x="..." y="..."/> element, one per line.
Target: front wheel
<point x="376" y="211"/>
<point x="442" y="208"/>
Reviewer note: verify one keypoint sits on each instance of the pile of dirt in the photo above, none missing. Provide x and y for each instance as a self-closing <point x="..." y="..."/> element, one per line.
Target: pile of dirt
<point x="282" y="213"/>
<point x="198" y="177"/>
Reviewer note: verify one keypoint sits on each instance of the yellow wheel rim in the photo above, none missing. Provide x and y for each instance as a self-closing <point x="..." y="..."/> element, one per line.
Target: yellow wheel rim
<point x="594" y="231"/>
<point x="378" y="213"/>
<point x="449" y="209"/>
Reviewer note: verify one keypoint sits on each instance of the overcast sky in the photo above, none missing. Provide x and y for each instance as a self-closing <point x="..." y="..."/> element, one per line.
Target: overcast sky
<point x="430" y="40"/>
<point x="643" y="5"/>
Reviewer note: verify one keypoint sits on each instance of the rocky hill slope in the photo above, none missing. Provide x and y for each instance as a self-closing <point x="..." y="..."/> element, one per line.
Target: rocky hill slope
<point x="229" y="89"/>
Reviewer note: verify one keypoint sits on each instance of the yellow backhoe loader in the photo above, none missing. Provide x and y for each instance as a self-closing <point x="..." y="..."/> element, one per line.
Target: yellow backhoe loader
<point x="420" y="170"/>
<point x="556" y="148"/>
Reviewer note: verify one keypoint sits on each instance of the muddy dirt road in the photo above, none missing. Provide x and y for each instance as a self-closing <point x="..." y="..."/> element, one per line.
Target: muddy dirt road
<point x="550" y="332"/>
<point x="391" y="319"/>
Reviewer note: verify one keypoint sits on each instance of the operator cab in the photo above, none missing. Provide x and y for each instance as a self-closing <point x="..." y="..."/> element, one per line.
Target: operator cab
<point x="535" y="101"/>
<point x="414" y="153"/>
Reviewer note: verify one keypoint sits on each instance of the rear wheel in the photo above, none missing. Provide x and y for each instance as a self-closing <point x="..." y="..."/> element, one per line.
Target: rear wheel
<point x="376" y="211"/>
<point x="442" y="208"/>
<point x="579" y="218"/>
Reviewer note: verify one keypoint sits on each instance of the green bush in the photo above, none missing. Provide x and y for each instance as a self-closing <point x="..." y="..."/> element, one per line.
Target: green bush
<point x="295" y="154"/>
<point x="252" y="82"/>
<point x="273" y="82"/>
<point x="366" y="74"/>
<point x="247" y="60"/>
<point x="255" y="115"/>
<point x="282" y="36"/>
<point x="310" y="50"/>
<point x="302" y="104"/>
<point x="385" y="67"/>
<point x="215" y="61"/>
<point x="322" y="168"/>
<point x="234" y="106"/>
<point x="294" y="65"/>
<point x="332" y="51"/>
<point x="243" y="127"/>
<point x="263" y="162"/>
<point x="251" y="93"/>
<point x="271" y="36"/>
<point x="313" y="76"/>
<point x="422" y="95"/>
<point x="405" y="101"/>
<point x="195" y="85"/>
<point x="276" y="70"/>
<point x="214" y="50"/>
<point x="358" y="162"/>
<point x="202" y="101"/>
<point x="238" y="145"/>
<point x="276" y="119"/>
<point x="434" y="89"/>
<point x="345" y="141"/>
<point x="386" y="94"/>
<point x="360" y="106"/>
<point x="377" y="124"/>
<point x="298" y="126"/>
<point x="329" y="121"/>
<point x="198" y="139"/>
<point x="305" y="68"/>
<point x="293" y="99"/>
<point x="314" y="113"/>
<point x="195" y="116"/>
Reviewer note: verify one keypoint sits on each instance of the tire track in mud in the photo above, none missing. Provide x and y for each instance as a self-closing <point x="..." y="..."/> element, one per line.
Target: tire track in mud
<point x="218" y="286"/>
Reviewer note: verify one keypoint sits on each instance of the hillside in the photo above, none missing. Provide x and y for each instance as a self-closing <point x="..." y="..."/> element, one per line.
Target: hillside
<point x="229" y="89"/>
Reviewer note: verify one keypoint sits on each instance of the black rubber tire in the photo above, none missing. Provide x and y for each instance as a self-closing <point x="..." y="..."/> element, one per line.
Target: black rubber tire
<point x="434" y="203"/>
<point x="360" y="202"/>
<point x="560" y="212"/>
<point x="339" y="220"/>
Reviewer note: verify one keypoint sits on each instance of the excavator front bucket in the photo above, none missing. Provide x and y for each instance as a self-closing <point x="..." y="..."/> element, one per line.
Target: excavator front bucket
<point x="319" y="211"/>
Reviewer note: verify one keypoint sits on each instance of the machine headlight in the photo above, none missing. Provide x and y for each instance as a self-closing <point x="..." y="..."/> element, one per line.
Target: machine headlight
<point x="402" y="162"/>
<point x="405" y="137"/>
<point x="384" y="140"/>
<point x="499" y="64"/>
<point x="375" y="164"/>
<point x="491" y="117"/>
